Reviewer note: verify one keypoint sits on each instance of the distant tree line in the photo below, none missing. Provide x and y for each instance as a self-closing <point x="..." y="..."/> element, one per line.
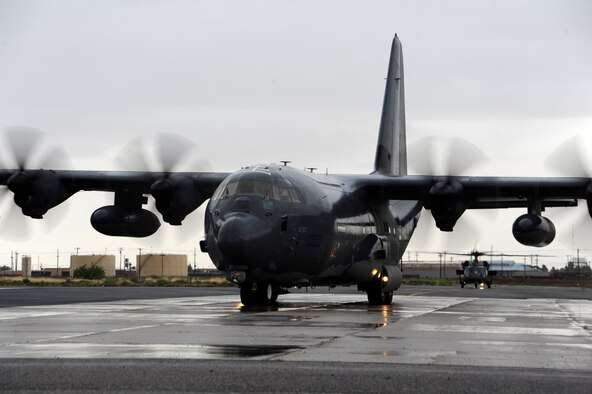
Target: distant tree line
<point x="573" y="270"/>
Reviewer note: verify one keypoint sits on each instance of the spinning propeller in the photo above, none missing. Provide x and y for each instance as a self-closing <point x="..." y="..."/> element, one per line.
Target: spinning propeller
<point x="572" y="158"/>
<point x="449" y="158"/>
<point x="26" y="148"/>
<point x="167" y="153"/>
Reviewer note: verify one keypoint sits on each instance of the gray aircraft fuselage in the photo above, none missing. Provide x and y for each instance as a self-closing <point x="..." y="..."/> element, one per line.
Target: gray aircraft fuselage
<point x="295" y="228"/>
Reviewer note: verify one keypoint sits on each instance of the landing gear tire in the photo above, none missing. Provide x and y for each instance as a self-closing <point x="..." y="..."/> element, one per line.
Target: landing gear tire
<point x="379" y="297"/>
<point x="247" y="294"/>
<point x="462" y="285"/>
<point x="267" y="293"/>
<point x="476" y="285"/>
<point x="489" y="285"/>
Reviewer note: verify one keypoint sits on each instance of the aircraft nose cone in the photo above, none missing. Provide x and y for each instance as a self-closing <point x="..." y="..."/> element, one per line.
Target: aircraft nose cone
<point x="244" y="239"/>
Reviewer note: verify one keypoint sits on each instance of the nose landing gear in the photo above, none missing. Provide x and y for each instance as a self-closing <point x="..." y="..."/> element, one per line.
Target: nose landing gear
<point x="259" y="294"/>
<point x="377" y="296"/>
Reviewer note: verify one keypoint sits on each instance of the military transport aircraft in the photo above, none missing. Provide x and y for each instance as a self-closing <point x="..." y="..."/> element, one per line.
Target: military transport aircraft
<point x="271" y="227"/>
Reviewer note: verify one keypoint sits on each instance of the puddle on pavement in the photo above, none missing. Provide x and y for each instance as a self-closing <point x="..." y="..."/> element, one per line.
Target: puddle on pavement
<point x="247" y="351"/>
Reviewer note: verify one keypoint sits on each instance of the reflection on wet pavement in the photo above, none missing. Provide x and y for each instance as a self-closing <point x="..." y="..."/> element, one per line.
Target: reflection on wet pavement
<point x="543" y="333"/>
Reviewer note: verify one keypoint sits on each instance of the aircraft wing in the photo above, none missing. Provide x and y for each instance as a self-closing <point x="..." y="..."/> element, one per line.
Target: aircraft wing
<point x="477" y="192"/>
<point x="449" y="197"/>
<point x="176" y="193"/>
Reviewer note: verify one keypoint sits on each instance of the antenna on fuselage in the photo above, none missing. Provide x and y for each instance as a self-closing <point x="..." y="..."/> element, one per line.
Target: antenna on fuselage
<point x="311" y="169"/>
<point x="285" y="162"/>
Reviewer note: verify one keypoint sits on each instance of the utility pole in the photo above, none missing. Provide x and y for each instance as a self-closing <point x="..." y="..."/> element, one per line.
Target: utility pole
<point x="578" y="261"/>
<point x="139" y="267"/>
<point x="120" y="256"/>
<point x="58" y="263"/>
<point x="452" y="263"/>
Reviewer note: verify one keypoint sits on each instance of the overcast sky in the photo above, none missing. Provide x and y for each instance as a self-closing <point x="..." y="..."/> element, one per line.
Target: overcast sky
<point x="264" y="81"/>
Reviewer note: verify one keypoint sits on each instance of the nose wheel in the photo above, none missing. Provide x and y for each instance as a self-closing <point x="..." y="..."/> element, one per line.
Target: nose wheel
<point x="259" y="294"/>
<point x="377" y="296"/>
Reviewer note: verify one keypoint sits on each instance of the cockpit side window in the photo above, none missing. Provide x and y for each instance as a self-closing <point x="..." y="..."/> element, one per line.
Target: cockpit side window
<point x="292" y="191"/>
<point x="284" y="190"/>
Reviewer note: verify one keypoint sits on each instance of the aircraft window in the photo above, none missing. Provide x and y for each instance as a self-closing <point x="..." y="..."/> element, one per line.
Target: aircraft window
<point x="248" y="188"/>
<point x="218" y="192"/>
<point x="293" y="195"/>
<point x="229" y="190"/>
<point x="284" y="190"/>
<point x="285" y="194"/>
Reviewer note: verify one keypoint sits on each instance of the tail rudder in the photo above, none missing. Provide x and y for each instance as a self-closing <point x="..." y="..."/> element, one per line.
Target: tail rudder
<point x="391" y="150"/>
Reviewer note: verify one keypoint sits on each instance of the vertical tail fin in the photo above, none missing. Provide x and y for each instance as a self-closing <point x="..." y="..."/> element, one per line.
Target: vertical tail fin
<point x="391" y="151"/>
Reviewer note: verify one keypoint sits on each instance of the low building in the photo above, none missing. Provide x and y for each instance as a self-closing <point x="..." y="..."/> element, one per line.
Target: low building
<point x="107" y="262"/>
<point x="512" y="269"/>
<point x="164" y="265"/>
<point x="429" y="269"/>
<point x="51" y="273"/>
<point x="505" y="268"/>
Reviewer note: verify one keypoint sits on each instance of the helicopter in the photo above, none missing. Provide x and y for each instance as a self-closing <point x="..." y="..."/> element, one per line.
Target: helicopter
<point x="475" y="271"/>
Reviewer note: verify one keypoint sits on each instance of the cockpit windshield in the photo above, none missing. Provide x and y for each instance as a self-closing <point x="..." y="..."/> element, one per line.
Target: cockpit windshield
<point x="267" y="186"/>
<point x="248" y="188"/>
<point x="477" y="271"/>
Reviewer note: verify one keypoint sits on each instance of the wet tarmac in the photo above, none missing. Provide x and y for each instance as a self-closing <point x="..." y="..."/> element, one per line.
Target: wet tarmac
<point x="516" y="339"/>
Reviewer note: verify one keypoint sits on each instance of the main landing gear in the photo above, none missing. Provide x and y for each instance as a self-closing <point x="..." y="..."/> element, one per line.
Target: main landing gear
<point x="259" y="294"/>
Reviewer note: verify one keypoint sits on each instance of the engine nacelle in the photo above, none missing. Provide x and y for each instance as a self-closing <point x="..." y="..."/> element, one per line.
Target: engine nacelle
<point x="447" y="204"/>
<point x="117" y="221"/>
<point x="533" y="230"/>
<point x="368" y="273"/>
<point x="35" y="192"/>
<point x="391" y="277"/>
<point x="176" y="196"/>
